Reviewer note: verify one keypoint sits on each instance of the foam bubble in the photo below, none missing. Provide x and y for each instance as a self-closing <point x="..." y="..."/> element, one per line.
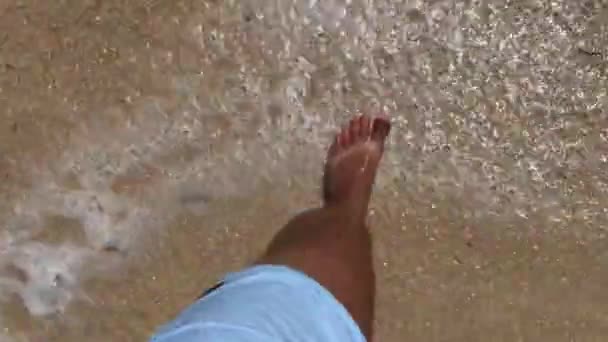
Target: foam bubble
<point x="50" y="275"/>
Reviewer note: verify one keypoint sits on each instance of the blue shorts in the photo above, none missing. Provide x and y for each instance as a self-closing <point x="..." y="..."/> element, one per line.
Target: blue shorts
<point x="264" y="303"/>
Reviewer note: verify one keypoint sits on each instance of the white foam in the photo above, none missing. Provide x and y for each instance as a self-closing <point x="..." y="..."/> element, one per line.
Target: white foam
<point x="51" y="275"/>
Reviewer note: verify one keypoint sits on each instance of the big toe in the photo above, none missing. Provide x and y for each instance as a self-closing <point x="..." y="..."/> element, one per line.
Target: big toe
<point x="381" y="127"/>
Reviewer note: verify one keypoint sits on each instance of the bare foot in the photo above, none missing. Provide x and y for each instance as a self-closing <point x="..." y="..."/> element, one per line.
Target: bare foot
<point x="352" y="160"/>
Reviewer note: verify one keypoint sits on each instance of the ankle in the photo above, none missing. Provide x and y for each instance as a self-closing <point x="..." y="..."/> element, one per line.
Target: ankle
<point x="352" y="209"/>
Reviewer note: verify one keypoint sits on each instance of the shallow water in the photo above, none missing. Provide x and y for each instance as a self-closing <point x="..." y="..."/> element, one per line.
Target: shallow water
<point x="120" y="119"/>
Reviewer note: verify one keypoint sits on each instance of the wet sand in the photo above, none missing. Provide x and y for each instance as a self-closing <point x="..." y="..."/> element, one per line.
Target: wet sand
<point x="78" y="79"/>
<point x="435" y="284"/>
<point x="438" y="281"/>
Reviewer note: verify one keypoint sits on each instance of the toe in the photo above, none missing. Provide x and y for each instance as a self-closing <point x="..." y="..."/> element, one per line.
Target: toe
<point x="355" y="129"/>
<point x="347" y="137"/>
<point x="366" y="127"/>
<point x="381" y="128"/>
<point x="334" y="148"/>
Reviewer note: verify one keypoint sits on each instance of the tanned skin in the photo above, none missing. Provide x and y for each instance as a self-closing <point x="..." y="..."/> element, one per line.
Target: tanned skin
<point x="332" y="244"/>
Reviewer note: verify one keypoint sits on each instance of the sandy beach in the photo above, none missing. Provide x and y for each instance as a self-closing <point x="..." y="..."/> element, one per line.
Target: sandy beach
<point x="148" y="148"/>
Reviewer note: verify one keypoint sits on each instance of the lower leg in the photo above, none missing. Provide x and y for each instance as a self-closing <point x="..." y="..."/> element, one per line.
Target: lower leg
<point x="323" y="244"/>
<point x="332" y="244"/>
